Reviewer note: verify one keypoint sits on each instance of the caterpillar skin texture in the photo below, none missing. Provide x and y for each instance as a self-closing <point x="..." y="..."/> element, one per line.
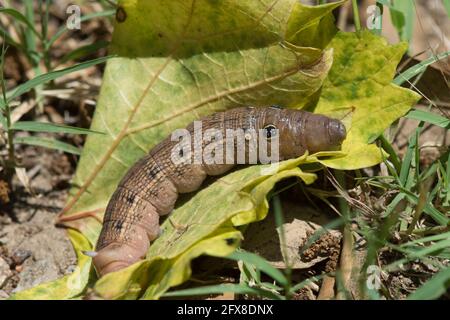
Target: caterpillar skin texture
<point x="151" y="186"/>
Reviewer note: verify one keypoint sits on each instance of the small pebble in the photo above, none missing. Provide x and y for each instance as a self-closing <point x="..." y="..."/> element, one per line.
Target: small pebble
<point x="19" y="256"/>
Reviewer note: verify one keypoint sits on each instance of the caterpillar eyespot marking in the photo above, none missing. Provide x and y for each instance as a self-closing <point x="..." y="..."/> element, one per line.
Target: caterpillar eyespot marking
<point x="270" y="131"/>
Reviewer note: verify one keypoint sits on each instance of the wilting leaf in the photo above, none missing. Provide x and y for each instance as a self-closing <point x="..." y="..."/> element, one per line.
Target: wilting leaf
<point x="214" y="56"/>
<point x="363" y="68"/>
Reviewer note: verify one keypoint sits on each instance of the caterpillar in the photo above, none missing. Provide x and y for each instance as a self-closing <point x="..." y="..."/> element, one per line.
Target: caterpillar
<point x="151" y="186"/>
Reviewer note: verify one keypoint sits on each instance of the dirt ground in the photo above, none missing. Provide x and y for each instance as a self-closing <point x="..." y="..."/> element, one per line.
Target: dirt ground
<point x="32" y="249"/>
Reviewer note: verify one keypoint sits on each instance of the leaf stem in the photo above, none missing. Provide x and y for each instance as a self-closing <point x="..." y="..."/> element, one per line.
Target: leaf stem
<point x="387" y="146"/>
<point x="279" y="221"/>
<point x="7" y="113"/>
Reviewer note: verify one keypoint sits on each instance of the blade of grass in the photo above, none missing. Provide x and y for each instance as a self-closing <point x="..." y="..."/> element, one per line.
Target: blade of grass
<point x="447" y="7"/>
<point x="419" y="68"/>
<point x="421" y="203"/>
<point x="433" y="288"/>
<point x="44" y="26"/>
<point x="356" y="18"/>
<point x="49" y="127"/>
<point x="261" y="264"/>
<point x="20" y="18"/>
<point x="447" y="181"/>
<point x="6" y="119"/>
<point x="387" y="146"/>
<point x="406" y="165"/>
<point x="222" y="288"/>
<point x="423" y="252"/>
<point x="429" y="209"/>
<point x="305" y="282"/>
<point x="249" y="272"/>
<point x="44" y="20"/>
<point x="436" y="237"/>
<point x="279" y="222"/>
<point x="83" y="51"/>
<point x="107" y="13"/>
<point x="10" y="41"/>
<point x="393" y="204"/>
<point x="346" y="262"/>
<point x="30" y="36"/>
<point x="48" y="143"/>
<point x="429" y="117"/>
<point x="27" y="86"/>
<point x="402" y="17"/>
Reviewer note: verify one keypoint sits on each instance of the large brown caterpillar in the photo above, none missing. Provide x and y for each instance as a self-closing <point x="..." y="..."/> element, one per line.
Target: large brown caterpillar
<point x="151" y="187"/>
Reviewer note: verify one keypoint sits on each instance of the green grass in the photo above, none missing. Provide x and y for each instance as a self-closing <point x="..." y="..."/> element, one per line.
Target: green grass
<point x="36" y="46"/>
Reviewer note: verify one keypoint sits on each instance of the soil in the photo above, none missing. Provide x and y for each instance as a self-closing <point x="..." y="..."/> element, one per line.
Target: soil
<point x="32" y="249"/>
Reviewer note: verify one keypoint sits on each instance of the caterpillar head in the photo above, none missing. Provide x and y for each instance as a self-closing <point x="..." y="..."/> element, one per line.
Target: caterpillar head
<point x="323" y="133"/>
<point x="301" y="131"/>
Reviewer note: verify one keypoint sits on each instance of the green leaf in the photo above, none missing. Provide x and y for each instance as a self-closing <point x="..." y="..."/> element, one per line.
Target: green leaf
<point x="48" y="143"/>
<point x="363" y="68"/>
<point x="402" y="17"/>
<point x="433" y="288"/>
<point x="49" y="127"/>
<point x="188" y="67"/>
<point x="43" y="78"/>
<point x="319" y="28"/>
<point x="429" y="117"/>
